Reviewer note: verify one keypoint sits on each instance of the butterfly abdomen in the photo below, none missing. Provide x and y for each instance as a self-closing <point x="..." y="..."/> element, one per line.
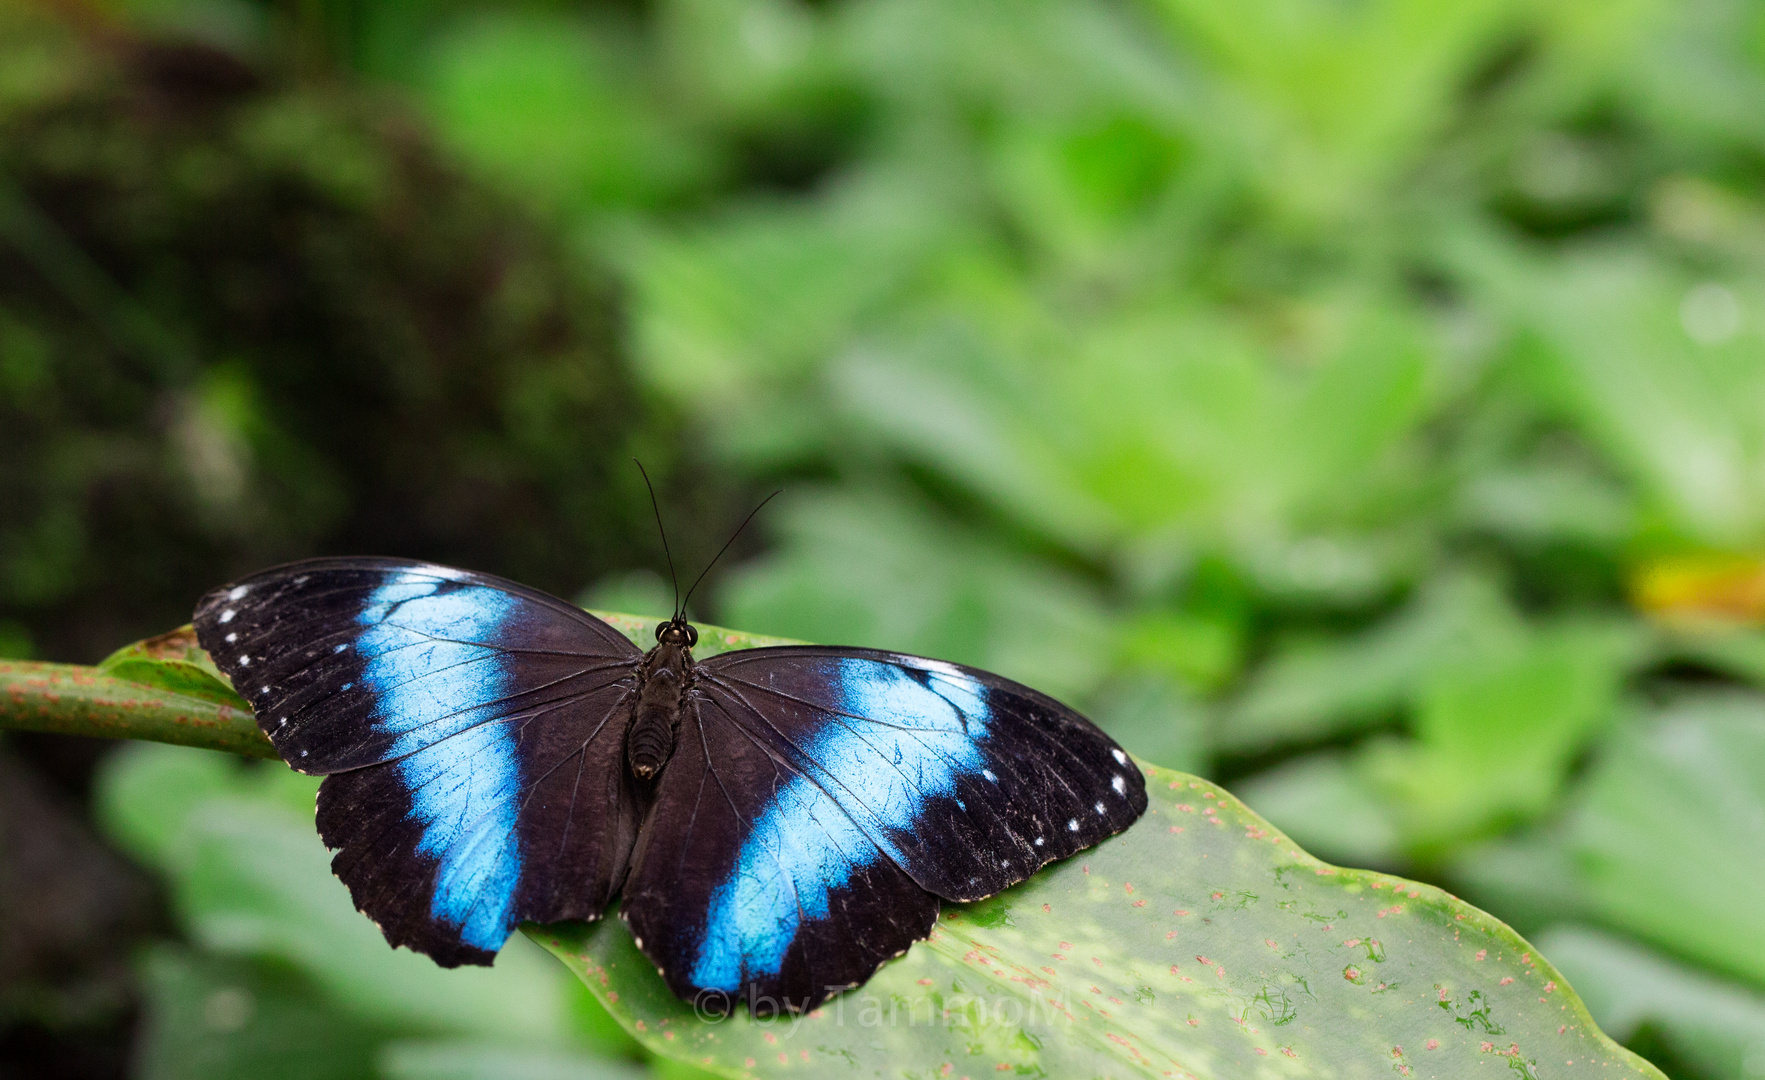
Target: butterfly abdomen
<point x="649" y="742"/>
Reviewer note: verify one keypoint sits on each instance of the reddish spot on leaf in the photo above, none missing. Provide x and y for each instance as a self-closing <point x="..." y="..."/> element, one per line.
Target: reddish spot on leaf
<point x="1506" y="980"/>
<point x="1433" y="1044"/>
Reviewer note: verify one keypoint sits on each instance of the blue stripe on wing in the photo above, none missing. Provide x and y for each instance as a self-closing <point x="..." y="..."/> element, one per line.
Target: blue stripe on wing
<point x="801" y="850"/>
<point x="436" y="685"/>
<point x="924" y="727"/>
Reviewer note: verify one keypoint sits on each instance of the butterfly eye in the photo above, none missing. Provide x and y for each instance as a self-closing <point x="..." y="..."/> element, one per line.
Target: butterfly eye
<point x="692" y="635"/>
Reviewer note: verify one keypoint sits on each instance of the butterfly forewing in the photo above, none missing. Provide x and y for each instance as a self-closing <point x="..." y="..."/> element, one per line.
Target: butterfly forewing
<point x="473" y="731"/>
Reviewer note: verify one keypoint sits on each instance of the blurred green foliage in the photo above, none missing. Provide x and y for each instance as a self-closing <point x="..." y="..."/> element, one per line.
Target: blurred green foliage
<point x="1299" y="386"/>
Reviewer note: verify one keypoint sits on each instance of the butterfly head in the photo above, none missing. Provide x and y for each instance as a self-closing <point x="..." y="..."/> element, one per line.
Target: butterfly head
<point x="677" y="631"/>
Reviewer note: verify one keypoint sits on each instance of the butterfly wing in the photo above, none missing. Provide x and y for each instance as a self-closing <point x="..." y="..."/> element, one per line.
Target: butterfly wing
<point x="968" y="781"/>
<point x="750" y="884"/>
<point x="471" y="732"/>
<point x="832" y="795"/>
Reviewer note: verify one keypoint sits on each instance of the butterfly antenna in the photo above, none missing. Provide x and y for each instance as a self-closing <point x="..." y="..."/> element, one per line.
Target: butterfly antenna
<point x="726" y="543"/>
<point x="657" y="507"/>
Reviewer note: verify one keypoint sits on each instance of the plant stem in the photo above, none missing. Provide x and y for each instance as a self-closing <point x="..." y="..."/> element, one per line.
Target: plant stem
<point x="72" y="699"/>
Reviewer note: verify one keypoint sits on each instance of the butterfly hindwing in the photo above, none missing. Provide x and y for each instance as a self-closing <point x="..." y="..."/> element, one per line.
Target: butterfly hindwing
<point x="751" y="884"/>
<point x="966" y="780"/>
<point x="472" y="730"/>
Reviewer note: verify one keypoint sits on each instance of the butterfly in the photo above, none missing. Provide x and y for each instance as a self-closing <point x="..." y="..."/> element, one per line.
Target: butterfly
<point x="776" y="822"/>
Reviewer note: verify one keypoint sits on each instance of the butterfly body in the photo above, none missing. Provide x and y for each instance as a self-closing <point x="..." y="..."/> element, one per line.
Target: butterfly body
<point x="777" y="822"/>
<point x="664" y="699"/>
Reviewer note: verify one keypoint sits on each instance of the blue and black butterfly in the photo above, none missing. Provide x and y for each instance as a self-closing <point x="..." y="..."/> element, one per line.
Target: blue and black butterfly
<point x="778" y="822"/>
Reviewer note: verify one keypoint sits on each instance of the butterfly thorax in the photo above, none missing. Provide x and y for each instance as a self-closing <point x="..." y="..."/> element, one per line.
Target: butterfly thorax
<point x="664" y="678"/>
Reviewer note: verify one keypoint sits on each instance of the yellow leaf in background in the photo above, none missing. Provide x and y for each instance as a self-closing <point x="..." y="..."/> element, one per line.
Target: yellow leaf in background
<point x="1697" y="590"/>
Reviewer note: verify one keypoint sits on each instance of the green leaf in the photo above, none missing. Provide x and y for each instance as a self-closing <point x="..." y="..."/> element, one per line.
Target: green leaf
<point x="1716" y="1026"/>
<point x="1680" y="865"/>
<point x="1648" y="363"/>
<point x="1323" y="802"/>
<point x="173" y="662"/>
<point x="868" y="568"/>
<point x="226" y="1018"/>
<point x="1495" y="735"/>
<point x="490" y="1061"/>
<point x="552" y="107"/>
<point x="1313" y="691"/>
<point x="1201" y="943"/>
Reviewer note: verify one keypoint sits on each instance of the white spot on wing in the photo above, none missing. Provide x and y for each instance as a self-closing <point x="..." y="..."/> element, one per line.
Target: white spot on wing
<point x="1120" y="758"/>
<point x="447" y="572"/>
<point x="1120" y="786"/>
<point x="227" y="615"/>
<point x="232" y="638"/>
<point x="1099" y="808"/>
<point x="1072" y="824"/>
<point x="238" y="592"/>
<point x="1038" y="841"/>
<point x="245" y="661"/>
<point x="988" y="773"/>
